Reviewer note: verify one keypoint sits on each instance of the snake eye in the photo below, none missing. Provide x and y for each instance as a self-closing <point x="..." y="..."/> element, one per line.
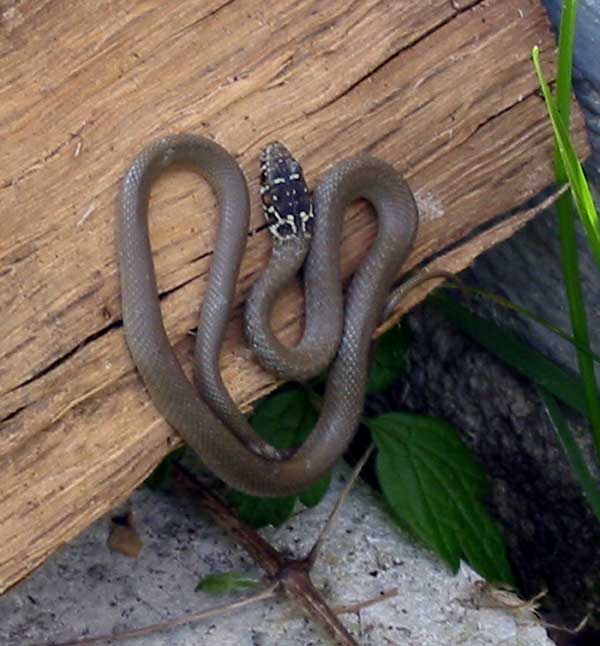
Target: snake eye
<point x="285" y="196"/>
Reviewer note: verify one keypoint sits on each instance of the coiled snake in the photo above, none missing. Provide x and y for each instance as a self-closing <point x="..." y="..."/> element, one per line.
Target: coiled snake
<point x="204" y="414"/>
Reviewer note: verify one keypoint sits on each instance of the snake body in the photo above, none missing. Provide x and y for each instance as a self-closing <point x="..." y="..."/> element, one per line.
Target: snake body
<point x="205" y="415"/>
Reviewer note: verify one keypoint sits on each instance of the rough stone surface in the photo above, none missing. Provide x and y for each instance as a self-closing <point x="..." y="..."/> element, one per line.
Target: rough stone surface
<point x="551" y="532"/>
<point x="87" y="589"/>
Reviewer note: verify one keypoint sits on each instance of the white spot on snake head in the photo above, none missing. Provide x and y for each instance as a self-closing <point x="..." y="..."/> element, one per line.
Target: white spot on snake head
<point x="284" y="192"/>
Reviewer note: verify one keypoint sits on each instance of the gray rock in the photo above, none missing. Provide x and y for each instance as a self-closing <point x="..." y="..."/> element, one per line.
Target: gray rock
<point x="553" y="536"/>
<point x="86" y="589"/>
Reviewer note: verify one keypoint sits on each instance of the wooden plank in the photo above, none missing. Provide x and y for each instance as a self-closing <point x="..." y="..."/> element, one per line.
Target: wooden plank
<point x="447" y="94"/>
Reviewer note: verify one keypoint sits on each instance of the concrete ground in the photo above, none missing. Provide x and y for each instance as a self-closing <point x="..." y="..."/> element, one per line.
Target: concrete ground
<point x="87" y="589"/>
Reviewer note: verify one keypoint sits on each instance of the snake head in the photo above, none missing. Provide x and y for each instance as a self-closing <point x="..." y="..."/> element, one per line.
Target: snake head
<point x="285" y="197"/>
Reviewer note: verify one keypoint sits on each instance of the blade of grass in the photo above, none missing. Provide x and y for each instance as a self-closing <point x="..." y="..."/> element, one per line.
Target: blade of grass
<point x="515" y="352"/>
<point x="572" y="451"/>
<point x="566" y="47"/>
<point x="540" y="320"/>
<point x="569" y="168"/>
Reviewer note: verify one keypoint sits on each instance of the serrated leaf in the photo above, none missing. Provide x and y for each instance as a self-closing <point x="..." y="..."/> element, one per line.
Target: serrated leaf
<point x="431" y="481"/>
<point x="390" y="359"/>
<point x="284" y="419"/>
<point x="225" y="583"/>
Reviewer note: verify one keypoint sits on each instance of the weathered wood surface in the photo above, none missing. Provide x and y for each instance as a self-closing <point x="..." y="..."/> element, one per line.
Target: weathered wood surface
<point x="447" y="94"/>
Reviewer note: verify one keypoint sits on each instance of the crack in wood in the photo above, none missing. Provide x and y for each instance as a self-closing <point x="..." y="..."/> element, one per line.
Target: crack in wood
<point x="492" y="117"/>
<point x="267" y="135"/>
<point x="37" y="165"/>
<point x="488" y="120"/>
<point x="67" y="355"/>
<point x="391" y="58"/>
<point x="195" y="23"/>
<point x="90" y="339"/>
<point x="13" y="414"/>
<point x="540" y="202"/>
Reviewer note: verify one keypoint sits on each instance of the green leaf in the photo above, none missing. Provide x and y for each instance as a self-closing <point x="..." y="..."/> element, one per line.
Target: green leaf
<point x="312" y="496"/>
<point x="161" y="476"/>
<point x="566" y="47"/>
<point x="225" y="583"/>
<point x="515" y="352"/>
<point x="284" y="419"/>
<point x="433" y="484"/>
<point x="390" y="359"/>
<point x="260" y="512"/>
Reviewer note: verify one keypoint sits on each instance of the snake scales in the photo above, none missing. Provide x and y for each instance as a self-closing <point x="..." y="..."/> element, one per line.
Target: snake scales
<point x="304" y="234"/>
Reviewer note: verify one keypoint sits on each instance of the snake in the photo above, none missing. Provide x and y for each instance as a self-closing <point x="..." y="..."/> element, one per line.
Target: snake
<point x="306" y="230"/>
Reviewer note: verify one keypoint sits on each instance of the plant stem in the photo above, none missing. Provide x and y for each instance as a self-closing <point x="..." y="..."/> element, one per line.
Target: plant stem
<point x="566" y="222"/>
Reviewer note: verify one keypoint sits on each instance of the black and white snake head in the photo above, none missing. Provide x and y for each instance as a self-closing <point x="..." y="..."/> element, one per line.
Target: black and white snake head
<point x="285" y="197"/>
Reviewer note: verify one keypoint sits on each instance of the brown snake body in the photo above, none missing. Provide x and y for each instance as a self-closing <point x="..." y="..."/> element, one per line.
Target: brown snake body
<point x="205" y="415"/>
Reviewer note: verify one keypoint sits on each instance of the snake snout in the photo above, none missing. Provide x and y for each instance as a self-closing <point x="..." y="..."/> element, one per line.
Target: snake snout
<point x="286" y="200"/>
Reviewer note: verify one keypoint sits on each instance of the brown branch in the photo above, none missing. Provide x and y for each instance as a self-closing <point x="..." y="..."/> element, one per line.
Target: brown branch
<point x="293" y="576"/>
<point x="209" y="614"/>
<point x="261" y="551"/>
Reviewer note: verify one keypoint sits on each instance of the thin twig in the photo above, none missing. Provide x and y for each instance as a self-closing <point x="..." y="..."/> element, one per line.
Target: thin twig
<point x="316" y="548"/>
<point x="144" y="631"/>
<point x="360" y="605"/>
<point x="169" y="624"/>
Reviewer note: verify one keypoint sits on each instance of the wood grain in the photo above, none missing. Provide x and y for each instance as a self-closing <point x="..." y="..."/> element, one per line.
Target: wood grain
<point x="447" y="94"/>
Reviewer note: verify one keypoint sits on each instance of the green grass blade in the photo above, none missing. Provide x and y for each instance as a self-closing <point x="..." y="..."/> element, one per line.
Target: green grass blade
<point x="566" y="47"/>
<point x="572" y="451"/>
<point x="515" y="352"/>
<point x="570" y="165"/>
<point x="540" y="320"/>
<point x="569" y="168"/>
